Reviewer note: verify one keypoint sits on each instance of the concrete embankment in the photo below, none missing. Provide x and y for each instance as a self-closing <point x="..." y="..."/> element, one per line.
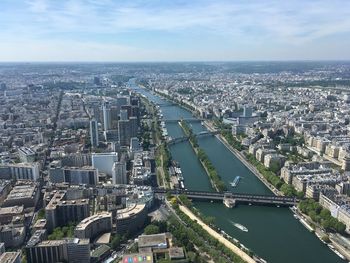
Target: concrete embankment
<point x="217" y="236"/>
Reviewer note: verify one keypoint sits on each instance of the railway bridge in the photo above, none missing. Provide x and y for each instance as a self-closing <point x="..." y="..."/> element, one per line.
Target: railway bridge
<point x="240" y="198"/>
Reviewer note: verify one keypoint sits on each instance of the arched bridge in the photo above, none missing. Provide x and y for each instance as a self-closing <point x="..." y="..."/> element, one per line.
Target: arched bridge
<point x="185" y="138"/>
<point x="239" y="198"/>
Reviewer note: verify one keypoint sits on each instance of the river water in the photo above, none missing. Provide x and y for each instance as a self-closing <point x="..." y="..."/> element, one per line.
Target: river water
<point x="274" y="234"/>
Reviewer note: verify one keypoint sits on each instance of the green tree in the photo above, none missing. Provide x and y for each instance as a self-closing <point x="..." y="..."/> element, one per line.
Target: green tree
<point x="116" y="241"/>
<point x="151" y="230"/>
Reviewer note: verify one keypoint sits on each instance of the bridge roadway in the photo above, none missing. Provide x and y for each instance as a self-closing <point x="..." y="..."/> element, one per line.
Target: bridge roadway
<point x="185" y="138"/>
<point x="239" y="198"/>
<point x="177" y="120"/>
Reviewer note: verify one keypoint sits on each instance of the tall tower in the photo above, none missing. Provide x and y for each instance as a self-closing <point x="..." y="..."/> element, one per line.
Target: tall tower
<point x="119" y="173"/>
<point x="124" y="132"/>
<point x="94" y="133"/>
<point x="107" y="121"/>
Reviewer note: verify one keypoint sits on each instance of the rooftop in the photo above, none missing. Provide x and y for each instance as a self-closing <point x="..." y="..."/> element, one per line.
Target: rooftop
<point x="22" y="191"/>
<point x="157" y="240"/>
<point x="9" y="257"/>
<point x="11" y="210"/>
<point x="84" y="223"/>
<point x="129" y="211"/>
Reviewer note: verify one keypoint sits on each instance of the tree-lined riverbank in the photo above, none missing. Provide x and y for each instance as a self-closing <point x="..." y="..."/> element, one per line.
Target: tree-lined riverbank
<point x="214" y="177"/>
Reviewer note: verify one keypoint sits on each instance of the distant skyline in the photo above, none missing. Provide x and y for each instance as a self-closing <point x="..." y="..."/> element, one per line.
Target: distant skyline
<point x="177" y="30"/>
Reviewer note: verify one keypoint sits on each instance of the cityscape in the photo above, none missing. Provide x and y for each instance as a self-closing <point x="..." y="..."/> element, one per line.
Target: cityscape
<point x="174" y="131"/>
<point x="133" y="162"/>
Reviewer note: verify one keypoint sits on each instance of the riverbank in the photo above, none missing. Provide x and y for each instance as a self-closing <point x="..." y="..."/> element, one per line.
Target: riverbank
<point x="242" y="158"/>
<point x="162" y="153"/>
<point x="217" y="236"/>
<point x="213" y="176"/>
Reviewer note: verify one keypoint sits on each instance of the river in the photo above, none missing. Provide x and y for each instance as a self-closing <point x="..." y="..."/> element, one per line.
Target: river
<point x="274" y="234"/>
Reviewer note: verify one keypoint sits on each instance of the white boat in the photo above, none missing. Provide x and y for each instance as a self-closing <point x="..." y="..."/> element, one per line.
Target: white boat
<point x="308" y="227"/>
<point x="240" y="227"/>
<point x="235" y="182"/>
<point x="336" y="252"/>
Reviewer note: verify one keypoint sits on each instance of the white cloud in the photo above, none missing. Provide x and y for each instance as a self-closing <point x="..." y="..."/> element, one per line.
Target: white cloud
<point x="256" y="24"/>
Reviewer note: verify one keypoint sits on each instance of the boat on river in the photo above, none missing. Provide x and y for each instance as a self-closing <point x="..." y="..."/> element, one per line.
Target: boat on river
<point x="336" y="252"/>
<point x="240" y="227"/>
<point x="235" y="182"/>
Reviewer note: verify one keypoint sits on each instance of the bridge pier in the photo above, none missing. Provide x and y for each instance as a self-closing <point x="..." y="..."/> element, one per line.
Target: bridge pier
<point x="229" y="202"/>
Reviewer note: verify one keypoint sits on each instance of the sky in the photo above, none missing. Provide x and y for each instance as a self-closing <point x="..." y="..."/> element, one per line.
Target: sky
<point x="174" y="30"/>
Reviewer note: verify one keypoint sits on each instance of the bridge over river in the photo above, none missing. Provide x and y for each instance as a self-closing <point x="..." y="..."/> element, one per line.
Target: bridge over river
<point x="184" y="119"/>
<point x="185" y="138"/>
<point x="238" y="198"/>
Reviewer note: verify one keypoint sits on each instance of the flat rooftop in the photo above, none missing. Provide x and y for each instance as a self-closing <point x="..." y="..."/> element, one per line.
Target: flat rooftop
<point x="9" y="257"/>
<point x="157" y="240"/>
<point x="129" y="211"/>
<point x="22" y="191"/>
<point x="87" y="221"/>
<point x="48" y="243"/>
<point x="176" y="253"/>
<point x="11" y="210"/>
<point x="60" y="199"/>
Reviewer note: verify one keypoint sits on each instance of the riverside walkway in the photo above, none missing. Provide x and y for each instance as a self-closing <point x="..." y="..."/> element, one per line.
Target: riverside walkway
<point x="217" y="236"/>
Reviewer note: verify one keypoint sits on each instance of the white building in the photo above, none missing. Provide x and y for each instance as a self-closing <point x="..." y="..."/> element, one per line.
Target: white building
<point x="26" y="155"/>
<point x="103" y="162"/>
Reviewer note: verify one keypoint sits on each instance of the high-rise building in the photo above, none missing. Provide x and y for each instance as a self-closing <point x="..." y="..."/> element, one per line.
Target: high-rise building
<point x="66" y="250"/>
<point x="94" y="133"/>
<point x="126" y="108"/>
<point x="124" y="132"/>
<point x="133" y="127"/>
<point x="97" y="81"/>
<point x="119" y="173"/>
<point x="107" y="120"/>
<point x="124" y="115"/>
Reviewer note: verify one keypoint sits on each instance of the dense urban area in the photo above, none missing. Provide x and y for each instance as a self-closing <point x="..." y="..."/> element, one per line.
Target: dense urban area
<point x="88" y="174"/>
